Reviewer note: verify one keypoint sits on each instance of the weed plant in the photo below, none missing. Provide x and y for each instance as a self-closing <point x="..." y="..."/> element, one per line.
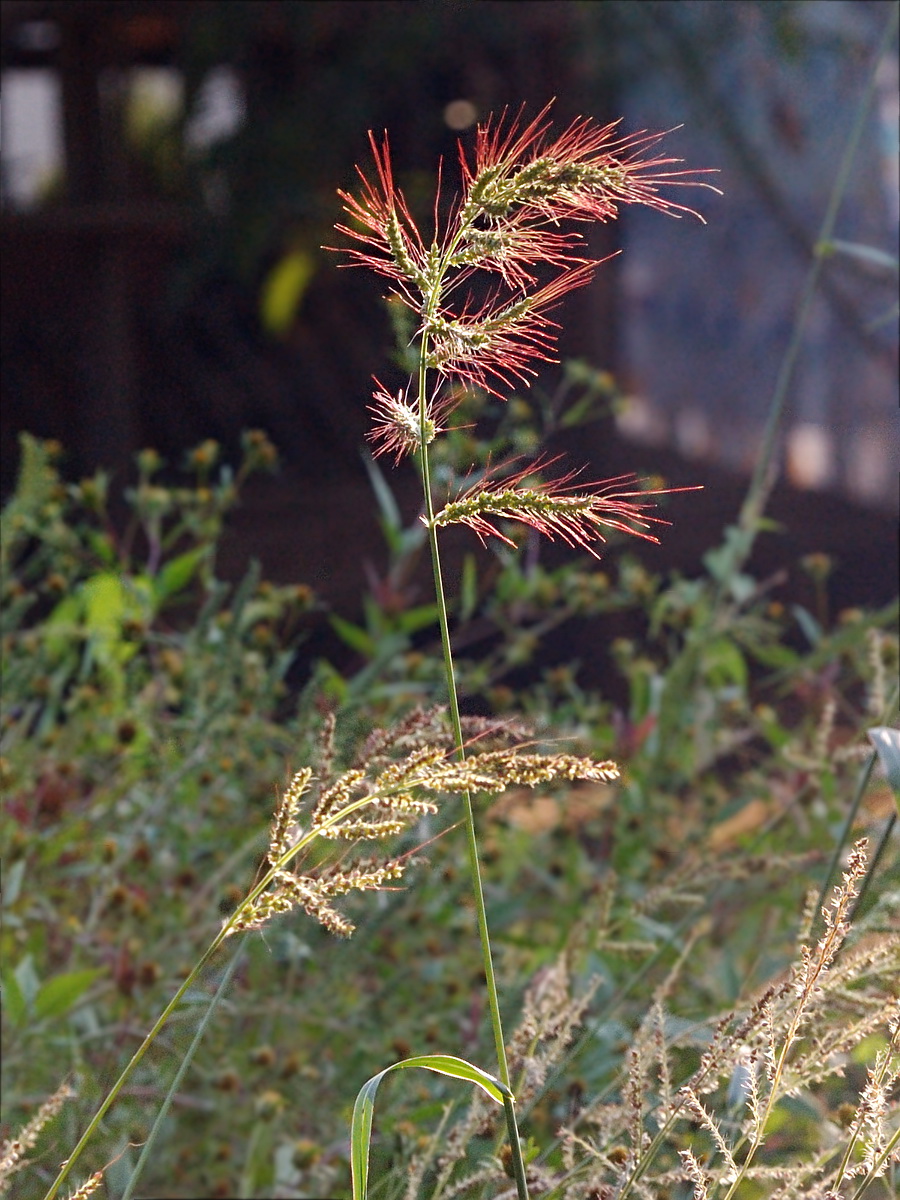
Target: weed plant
<point x="704" y="974"/>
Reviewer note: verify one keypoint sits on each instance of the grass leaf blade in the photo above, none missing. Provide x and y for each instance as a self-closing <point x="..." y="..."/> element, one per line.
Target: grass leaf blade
<point x="887" y="743"/>
<point x="363" y="1109"/>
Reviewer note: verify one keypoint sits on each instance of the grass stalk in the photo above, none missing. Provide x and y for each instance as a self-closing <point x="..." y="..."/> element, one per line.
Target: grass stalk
<point x="518" y="1163"/>
<point x="850" y="820"/>
<point x="191" y="978"/>
<point x="135" y="1061"/>
<point x="183" y="1066"/>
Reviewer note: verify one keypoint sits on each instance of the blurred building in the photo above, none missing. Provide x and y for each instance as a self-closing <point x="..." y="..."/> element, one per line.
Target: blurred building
<point x="709" y="312"/>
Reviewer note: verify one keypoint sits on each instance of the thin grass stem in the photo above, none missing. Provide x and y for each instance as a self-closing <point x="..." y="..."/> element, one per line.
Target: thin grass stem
<point x="886" y="1156"/>
<point x="183" y="1066"/>
<point x="134" y="1062"/>
<point x="849" y="821"/>
<point x="518" y="1163"/>
<point x="257" y="890"/>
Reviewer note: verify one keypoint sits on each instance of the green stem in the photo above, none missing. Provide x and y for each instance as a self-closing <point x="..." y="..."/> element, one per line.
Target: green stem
<point x="214" y="945"/>
<point x="865" y="775"/>
<point x="138" y="1055"/>
<point x="518" y="1163"/>
<point x="878" y="1165"/>
<point x="180" y="1074"/>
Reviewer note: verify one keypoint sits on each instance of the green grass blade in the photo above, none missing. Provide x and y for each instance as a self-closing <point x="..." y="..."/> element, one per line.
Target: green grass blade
<point x="887" y="742"/>
<point x="363" y="1109"/>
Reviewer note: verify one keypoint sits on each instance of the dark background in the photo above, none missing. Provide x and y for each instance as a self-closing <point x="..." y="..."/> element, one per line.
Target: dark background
<point x="134" y="281"/>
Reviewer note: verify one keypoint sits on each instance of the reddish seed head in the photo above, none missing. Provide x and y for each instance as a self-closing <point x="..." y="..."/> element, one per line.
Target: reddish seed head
<point x="520" y="183"/>
<point x="504" y="228"/>
<point x="559" y="508"/>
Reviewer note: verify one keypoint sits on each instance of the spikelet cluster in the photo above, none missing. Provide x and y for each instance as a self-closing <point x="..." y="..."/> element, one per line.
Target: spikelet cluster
<point x="13" y="1151"/>
<point x="552" y="1011"/>
<point x="518" y="186"/>
<point x="556" y="509"/>
<point x="378" y="799"/>
<point x="481" y="297"/>
<point x="662" y="1134"/>
<point x="798" y="1032"/>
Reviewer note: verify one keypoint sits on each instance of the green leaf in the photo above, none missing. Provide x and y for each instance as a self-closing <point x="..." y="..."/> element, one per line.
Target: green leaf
<point x="354" y="636"/>
<point x="391" y="521"/>
<point x="258" y="1174"/>
<point x="66" y="615"/>
<point x="34" y="489"/>
<point x="887" y="742"/>
<point x="725" y="665"/>
<point x="867" y="254"/>
<point x="58" y="995"/>
<point x="102" y="545"/>
<point x="27" y="980"/>
<point x="106" y="603"/>
<point x="110" y="598"/>
<point x="411" y="620"/>
<point x="363" y="1109"/>
<point x="808" y="623"/>
<point x="331" y="682"/>
<point x="14" y="1003"/>
<point x="12" y="883"/>
<point x="177" y="574"/>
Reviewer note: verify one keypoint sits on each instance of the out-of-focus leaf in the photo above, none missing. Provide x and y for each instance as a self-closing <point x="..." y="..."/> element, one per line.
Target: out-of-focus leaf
<point x="177" y="574"/>
<point x="724" y="664"/>
<point x="420" y="617"/>
<point x="868" y="254"/>
<point x="14" y="1004"/>
<point x="283" y="291"/>
<point x="58" y="995"/>
<point x="12" y="882"/>
<point x="356" y="638"/>
<point x="27" y="980"/>
<point x="808" y="623"/>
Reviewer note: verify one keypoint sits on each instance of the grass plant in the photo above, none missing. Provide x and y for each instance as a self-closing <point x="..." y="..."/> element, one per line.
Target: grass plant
<point x="679" y="1032"/>
<point x="481" y="318"/>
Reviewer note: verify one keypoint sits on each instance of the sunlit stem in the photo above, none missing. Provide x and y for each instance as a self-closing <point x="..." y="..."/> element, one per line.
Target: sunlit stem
<point x="227" y="929"/>
<point x="138" y="1055"/>
<point x="518" y="1163"/>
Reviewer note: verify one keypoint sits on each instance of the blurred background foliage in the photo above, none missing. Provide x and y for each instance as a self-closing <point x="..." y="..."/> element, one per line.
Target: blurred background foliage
<point x="165" y="280"/>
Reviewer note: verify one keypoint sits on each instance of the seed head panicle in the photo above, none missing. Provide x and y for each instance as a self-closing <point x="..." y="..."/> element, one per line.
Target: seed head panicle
<point x="14" y="1149"/>
<point x="559" y="508"/>
<point x="519" y="172"/>
<point x="499" y="342"/>
<point x="502" y="230"/>
<point x="395" y="246"/>
<point x="286" y="813"/>
<point x="399" y="428"/>
<point x="379" y="799"/>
